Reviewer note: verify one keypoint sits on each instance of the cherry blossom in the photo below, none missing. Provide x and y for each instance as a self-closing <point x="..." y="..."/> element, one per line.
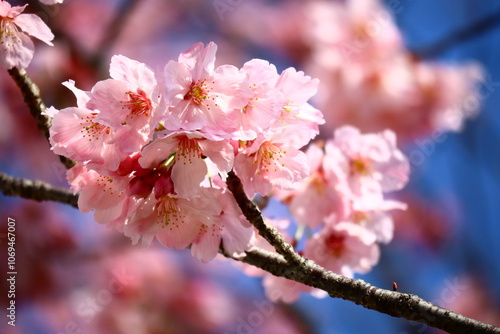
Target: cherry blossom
<point x="267" y="162"/>
<point x="187" y="149"/>
<point x="129" y="98"/>
<point x="297" y="88"/>
<point x="173" y="220"/>
<point x="231" y="231"/>
<point x="371" y="164"/>
<point x="201" y="98"/>
<point x="15" y="28"/>
<point x="116" y="118"/>
<point x="344" y="248"/>
<point x="264" y="107"/>
<point x="317" y="196"/>
<point x="152" y="160"/>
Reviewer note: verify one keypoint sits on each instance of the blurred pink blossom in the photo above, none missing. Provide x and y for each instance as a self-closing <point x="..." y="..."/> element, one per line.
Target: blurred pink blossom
<point x="17" y="48"/>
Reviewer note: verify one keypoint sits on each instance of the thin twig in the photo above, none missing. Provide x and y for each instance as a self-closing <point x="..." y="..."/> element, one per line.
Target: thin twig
<point x="31" y="94"/>
<point x="36" y="190"/>
<point x="252" y="214"/>
<point x="396" y="304"/>
<point x="459" y="36"/>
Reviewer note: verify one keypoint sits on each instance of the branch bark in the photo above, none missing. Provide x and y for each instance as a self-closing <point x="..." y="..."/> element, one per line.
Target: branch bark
<point x="36" y="190"/>
<point x="252" y="214"/>
<point x="396" y="304"/>
<point x="31" y="94"/>
<point x="291" y="265"/>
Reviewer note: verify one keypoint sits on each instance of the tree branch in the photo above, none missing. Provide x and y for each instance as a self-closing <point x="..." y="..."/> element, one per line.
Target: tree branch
<point x="396" y="304"/>
<point x="459" y="36"/>
<point x="252" y="214"/>
<point x="31" y="94"/>
<point x="36" y="190"/>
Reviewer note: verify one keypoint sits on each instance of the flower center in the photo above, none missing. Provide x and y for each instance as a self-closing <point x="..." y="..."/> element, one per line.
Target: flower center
<point x="138" y="104"/>
<point x="187" y="150"/>
<point x="169" y="213"/>
<point x="9" y="34"/>
<point x="290" y="112"/>
<point x="93" y="130"/>
<point x="198" y="91"/>
<point x="318" y="183"/>
<point x="335" y="244"/>
<point x="268" y="158"/>
<point x="360" y="166"/>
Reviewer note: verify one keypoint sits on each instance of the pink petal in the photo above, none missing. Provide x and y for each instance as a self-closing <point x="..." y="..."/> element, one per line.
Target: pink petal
<point x="16" y="48"/>
<point x="199" y="60"/>
<point x="207" y="245"/>
<point x="134" y="73"/>
<point x="34" y="26"/>
<point x="108" y="97"/>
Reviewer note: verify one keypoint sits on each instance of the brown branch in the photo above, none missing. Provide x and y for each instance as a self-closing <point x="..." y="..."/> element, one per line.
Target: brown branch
<point x="36" y="190"/>
<point x="252" y="214"/>
<point x="396" y="304"/>
<point x="31" y="94"/>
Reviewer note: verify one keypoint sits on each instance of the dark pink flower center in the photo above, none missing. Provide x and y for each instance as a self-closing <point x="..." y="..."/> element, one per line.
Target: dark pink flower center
<point x="138" y="103"/>
<point x="335" y="244"/>
<point x="198" y="91"/>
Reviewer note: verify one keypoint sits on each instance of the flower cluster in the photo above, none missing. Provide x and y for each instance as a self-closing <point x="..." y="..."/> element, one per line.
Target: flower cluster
<point x="152" y="151"/>
<point x="341" y="207"/>
<point x="16" y="48"/>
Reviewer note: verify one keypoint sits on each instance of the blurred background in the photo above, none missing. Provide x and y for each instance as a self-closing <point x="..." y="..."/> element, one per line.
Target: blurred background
<point x="426" y="69"/>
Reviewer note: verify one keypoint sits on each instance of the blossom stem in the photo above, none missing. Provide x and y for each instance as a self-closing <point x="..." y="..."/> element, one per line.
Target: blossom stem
<point x="31" y="94"/>
<point x="36" y="190"/>
<point x="253" y="215"/>
<point x="394" y="303"/>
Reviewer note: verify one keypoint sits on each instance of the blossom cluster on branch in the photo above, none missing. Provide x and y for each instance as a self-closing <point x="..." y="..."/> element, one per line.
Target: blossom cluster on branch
<point x="153" y="151"/>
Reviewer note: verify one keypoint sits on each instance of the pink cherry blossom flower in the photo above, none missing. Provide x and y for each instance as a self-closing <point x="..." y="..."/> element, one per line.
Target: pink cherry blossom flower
<point x="103" y="194"/>
<point x="267" y="162"/>
<point x="77" y="134"/>
<point x="128" y="98"/>
<point x="317" y="197"/>
<point x="378" y="222"/>
<point x="265" y="105"/>
<point x="201" y="98"/>
<point x="174" y="221"/>
<point x="230" y="230"/>
<point x="17" y="49"/>
<point x="297" y="88"/>
<point x="187" y="150"/>
<point x="343" y="248"/>
<point x="371" y="163"/>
